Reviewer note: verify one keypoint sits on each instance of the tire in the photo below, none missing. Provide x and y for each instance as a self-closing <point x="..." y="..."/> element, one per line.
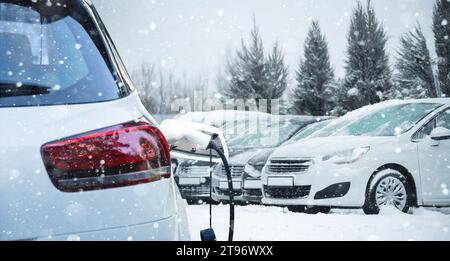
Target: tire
<point x="309" y="209"/>
<point x="392" y="188"/>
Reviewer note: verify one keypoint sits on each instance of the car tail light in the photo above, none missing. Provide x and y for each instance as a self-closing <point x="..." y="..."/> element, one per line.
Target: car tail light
<point x="123" y="155"/>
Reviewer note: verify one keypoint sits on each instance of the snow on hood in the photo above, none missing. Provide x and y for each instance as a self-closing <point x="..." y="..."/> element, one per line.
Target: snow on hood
<point x="318" y="147"/>
<point x="244" y="157"/>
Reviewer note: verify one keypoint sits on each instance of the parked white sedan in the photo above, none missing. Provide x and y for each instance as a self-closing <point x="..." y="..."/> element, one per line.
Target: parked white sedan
<point x="397" y="153"/>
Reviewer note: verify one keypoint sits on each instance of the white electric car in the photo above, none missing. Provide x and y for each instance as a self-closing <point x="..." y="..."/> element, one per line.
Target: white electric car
<point x="80" y="157"/>
<point x="397" y="153"/>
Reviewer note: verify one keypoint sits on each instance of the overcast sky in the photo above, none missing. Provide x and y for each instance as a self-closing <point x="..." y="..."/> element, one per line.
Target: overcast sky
<point x="194" y="35"/>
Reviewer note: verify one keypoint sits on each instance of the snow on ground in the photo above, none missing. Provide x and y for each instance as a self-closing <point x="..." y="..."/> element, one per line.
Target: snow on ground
<point x="261" y="223"/>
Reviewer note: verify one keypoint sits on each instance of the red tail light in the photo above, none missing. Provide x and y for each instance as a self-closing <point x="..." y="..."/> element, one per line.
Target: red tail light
<point x="123" y="155"/>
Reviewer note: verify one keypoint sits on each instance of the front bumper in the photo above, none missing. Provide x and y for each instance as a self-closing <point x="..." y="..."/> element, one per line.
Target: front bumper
<point x="321" y="185"/>
<point x="194" y="190"/>
<point x="220" y="189"/>
<point x="252" y="190"/>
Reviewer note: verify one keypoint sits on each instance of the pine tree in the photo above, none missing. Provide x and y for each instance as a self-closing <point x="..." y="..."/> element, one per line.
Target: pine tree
<point x="441" y="29"/>
<point x="248" y="70"/>
<point x="277" y="75"/>
<point x="415" y="73"/>
<point x="315" y="76"/>
<point x="254" y="76"/>
<point x="368" y="75"/>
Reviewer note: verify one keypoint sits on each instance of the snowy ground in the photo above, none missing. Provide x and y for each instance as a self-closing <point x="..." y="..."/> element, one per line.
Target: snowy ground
<point x="260" y="223"/>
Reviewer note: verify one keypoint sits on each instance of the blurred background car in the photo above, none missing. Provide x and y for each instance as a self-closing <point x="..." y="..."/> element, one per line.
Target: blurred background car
<point x="193" y="167"/>
<point x="251" y="184"/>
<point x="249" y="152"/>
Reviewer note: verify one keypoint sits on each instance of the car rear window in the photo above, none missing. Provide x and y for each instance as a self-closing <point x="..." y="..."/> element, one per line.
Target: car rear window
<point x="50" y="57"/>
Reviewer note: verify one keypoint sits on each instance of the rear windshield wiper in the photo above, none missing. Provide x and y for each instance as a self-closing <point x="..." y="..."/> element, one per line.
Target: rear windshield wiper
<point x="12" y="90"/>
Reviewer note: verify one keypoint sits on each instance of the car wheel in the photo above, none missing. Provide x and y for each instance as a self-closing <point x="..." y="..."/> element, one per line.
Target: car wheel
<point x="388" y="187"/>
<point x="309" y="209"/>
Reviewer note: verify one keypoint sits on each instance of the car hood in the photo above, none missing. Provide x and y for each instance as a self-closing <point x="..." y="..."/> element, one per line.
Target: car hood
<point x="244" y="157"/>
<point x="317" y="147"/>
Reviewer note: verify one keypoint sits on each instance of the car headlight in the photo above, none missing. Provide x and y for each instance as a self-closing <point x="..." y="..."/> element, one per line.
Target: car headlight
<point x="255" y="165"/>
<point x="252" y="171"/>
<point x="218" y="171"/>
<point x="347" y="156"/>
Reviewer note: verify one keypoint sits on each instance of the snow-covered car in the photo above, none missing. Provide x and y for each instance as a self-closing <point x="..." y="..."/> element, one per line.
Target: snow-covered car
<point x="193" y="166"/>
<point x="248" y="154"/>
<point x="80" y="157"/>
<point x="191" y="163"/>
<point x="394" y="154"/>
<point x="230" y="122"/>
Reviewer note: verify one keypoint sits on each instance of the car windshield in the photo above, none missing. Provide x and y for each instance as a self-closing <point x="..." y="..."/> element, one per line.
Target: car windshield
<point x="308" y="131"/>
<point x="390" y="121"/>
<point x="233" y="129"/>
<point x="266" y="136"/>
<point x="49" y="58"/>
<point x="331" y="128"/>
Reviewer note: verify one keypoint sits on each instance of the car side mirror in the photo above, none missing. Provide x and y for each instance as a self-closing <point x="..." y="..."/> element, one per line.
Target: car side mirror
<point x="440" y="134"/>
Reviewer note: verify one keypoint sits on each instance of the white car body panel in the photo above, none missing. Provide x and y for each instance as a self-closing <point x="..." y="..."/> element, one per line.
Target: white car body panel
<point x="32" y="207"/>
<point x="433" y="160"/>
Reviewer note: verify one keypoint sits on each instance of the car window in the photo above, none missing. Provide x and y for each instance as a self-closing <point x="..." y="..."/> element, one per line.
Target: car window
<point x="425" y="130"/>
<point x="443" y="120"/>
<point x="308" y="131"/>
<point x="50" y="59"/>
<point x="263" y="137"/>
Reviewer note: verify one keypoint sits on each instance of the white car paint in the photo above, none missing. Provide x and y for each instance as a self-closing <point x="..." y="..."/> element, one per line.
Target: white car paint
<point x="33" y="208"/>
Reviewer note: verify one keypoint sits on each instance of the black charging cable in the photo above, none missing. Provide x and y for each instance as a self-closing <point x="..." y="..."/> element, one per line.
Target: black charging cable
<point x="210" y="188"/>
<point x="209" y="233"/>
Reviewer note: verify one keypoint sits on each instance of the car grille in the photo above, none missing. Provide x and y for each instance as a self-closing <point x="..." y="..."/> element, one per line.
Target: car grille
<point x="285" y="165"/>
<point x="287" y="192"/>
<point x="187" y="191"/>
<point x="193" y="171"/>
<point x="253" y="192"/>
<point x="236" y="170"/>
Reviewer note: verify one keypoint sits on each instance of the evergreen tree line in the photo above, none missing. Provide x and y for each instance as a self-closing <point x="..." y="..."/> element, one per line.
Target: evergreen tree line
<point x="251" y="74"/>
